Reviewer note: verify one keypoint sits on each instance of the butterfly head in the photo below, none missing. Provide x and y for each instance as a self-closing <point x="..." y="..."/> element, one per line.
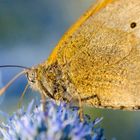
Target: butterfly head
<point x="31" y="75"/>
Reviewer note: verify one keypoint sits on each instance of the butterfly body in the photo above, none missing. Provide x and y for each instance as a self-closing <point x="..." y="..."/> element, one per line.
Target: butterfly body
<point x="98" y="59"/>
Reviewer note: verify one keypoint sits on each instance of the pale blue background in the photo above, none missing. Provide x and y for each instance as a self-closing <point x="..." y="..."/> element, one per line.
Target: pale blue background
<point x="29" y="30"/>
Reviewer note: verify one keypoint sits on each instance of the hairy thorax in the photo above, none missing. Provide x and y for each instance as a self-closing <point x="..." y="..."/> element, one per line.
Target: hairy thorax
<point x="53" y="81"/>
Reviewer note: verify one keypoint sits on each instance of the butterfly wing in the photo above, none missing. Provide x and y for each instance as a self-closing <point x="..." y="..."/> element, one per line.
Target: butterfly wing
<point x="101" y="53"/>
<point x="70" y="34"/>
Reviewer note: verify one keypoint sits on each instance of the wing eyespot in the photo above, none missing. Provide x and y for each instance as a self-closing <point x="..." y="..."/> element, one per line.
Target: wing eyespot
<point x="133" y="25"/>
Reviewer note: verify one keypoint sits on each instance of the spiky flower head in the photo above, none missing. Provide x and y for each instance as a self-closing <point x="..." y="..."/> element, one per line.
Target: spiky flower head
<point x="58" y="122"/>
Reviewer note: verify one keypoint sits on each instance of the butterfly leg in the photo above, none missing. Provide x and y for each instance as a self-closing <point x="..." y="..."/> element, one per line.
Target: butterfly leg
<point x="43" y="100"/>
<point x="81" y="114"/>
<point x="80" y="105"/>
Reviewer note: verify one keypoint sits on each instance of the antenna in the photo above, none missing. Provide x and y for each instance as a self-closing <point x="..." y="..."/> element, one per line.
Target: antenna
<point x="11" y="66"/>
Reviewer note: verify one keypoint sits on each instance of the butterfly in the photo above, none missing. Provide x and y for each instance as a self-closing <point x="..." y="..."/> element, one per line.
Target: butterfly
<point x="97" y="61"/>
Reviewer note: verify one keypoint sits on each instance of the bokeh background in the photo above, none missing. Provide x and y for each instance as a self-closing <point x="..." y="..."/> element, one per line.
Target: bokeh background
<point x="29" y="30"/>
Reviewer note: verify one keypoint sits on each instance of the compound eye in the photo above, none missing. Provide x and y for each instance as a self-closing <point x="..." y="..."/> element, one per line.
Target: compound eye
<point x="31" y="76"/>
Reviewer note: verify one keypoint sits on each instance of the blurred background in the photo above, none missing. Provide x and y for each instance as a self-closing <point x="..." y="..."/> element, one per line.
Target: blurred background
<point x="29" y="30"/>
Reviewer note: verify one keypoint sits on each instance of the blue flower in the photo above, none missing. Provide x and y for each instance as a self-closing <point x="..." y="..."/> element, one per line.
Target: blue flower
<point x="58" y="122"/>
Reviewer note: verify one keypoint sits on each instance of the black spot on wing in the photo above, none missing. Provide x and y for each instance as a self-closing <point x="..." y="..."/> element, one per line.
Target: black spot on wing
<point x="133" y="25"/>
